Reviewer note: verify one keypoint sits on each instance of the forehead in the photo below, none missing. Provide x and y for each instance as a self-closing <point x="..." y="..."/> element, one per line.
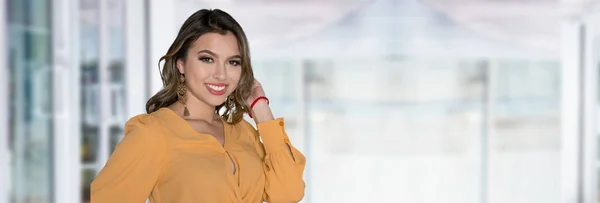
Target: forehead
<point x="223" y="45"/>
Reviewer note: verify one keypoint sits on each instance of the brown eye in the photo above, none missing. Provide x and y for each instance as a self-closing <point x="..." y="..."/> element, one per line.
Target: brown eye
<point x="235" y="63"/>
<point x="206" y="59"/>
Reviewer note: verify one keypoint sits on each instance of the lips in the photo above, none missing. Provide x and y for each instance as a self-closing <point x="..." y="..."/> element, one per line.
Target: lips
<point x="216" y="89"/>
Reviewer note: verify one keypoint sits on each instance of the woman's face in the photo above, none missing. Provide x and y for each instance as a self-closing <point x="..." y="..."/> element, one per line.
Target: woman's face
<point x="212" y="67"/>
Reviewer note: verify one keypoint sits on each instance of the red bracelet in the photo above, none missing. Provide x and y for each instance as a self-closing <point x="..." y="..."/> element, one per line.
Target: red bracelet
<point x="256" y="101"/>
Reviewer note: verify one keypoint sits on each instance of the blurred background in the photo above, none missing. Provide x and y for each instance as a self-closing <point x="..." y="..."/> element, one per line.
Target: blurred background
<point x="420" y="101"/>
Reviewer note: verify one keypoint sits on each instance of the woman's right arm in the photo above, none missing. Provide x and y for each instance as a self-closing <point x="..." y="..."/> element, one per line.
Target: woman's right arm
<point x="135" y="166"/>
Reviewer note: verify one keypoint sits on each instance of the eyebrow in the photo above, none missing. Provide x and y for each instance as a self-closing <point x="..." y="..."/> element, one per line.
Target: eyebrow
<point x="216" y="55"/>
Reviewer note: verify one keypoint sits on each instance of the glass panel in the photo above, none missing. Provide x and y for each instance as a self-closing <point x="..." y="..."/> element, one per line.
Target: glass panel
<point x="116" y="46"/>
<point x="278" y="77"/>
<point x="87" y="176"/>
<point x="90" y="94"/>
<point x="525" y="143"/>
<point x="90" y="144"/>
<point x="30" y="83"/>
<point x="116" y="134"/>
<point x="281" y="84"/>
<point x="391" y="126"/>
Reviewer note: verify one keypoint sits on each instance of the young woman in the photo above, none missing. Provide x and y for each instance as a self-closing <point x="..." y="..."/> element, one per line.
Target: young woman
<point x="193" y="145"/>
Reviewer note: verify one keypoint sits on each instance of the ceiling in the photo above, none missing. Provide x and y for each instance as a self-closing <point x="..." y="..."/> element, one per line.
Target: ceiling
<point x="529" y="22"/>
<point x="316" y="27"/>
<point x="275" y="21"/>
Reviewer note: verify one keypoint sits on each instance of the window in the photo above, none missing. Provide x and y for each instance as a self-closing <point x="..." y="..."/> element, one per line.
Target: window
<point x="30" y="93"/>
<point x="103" y="83"/>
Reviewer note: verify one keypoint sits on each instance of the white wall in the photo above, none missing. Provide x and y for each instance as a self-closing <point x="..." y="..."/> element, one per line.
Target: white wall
<point x="571" y="111"/>
<point x="163" y="30"/>
<point x="591" y="53"/>
<point x="137" y="64"/>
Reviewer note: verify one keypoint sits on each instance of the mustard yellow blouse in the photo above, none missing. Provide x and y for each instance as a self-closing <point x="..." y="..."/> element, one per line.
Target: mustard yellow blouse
<point x="162" y="157"/>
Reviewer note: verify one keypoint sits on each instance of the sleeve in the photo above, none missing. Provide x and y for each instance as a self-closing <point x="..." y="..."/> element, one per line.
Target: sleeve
<point x="283" y="164"/>
<point x="134" y="167"/>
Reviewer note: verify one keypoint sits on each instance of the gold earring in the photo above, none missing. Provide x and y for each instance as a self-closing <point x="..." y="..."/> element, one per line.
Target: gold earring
<point x="182" y="94"/>
<point x="230" y="106"/>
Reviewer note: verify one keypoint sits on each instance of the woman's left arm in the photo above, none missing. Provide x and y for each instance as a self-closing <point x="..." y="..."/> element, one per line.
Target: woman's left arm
<point x="283" y="164"/>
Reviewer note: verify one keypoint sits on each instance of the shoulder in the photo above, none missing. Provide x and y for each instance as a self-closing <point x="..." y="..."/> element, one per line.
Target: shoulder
<point x="141" y="121"/>
<point x="144" y="128"/>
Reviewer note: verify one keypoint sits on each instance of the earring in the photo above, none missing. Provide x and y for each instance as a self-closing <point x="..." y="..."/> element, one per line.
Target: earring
<point x="230" y="106"/>
<point x="182" y="94"/>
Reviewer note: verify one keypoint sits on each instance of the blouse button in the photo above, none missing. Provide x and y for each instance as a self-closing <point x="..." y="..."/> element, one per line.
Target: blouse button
<point x="281" y="123"/>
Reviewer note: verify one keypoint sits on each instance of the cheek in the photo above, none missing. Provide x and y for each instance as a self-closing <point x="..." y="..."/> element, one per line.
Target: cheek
<point x="197" y="70"/>
<point x="235" y="74"/>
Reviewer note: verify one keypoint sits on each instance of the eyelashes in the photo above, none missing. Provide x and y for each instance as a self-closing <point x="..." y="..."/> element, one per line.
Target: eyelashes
<point x="206" y="59"/>
<point x="235" y="62"/>
<point x="211" y="60"/>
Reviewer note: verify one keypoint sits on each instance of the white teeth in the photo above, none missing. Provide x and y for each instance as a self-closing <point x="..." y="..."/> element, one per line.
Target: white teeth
<point x="215" y="88"/>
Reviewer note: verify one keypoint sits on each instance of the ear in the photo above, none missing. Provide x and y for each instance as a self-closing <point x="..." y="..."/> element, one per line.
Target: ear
<point x="179" y="64"/>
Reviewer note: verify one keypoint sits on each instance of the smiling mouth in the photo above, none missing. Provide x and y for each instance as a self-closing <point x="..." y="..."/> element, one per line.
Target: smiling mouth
<point x="216" y="89"/>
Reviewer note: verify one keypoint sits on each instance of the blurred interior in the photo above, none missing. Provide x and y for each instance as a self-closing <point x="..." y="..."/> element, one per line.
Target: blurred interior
<point x="454" y="101"/>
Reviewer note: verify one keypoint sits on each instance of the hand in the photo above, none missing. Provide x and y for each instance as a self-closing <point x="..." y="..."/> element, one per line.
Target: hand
<point x="255" y="92"/>
<point x="261" y="111"/>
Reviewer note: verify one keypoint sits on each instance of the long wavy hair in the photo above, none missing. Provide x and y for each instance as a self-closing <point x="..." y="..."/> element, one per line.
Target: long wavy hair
<point x="202" y="22"/>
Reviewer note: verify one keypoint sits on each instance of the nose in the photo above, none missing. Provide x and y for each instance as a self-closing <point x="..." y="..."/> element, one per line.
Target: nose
<point x="220" y="73"/>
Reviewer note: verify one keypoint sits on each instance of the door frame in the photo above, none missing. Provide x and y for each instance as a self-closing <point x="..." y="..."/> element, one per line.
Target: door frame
<point x="4" y="93"/>
<point x="66" y="106"/>
<point x="591" y="61"/>
<point x="579" y="107"/>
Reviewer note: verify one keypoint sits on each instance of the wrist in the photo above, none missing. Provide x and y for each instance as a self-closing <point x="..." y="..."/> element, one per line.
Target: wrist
<point x="262" y="115"/>
<point x="258" y="99"/>
<point x="260" y="104"/>
<point x="261" y="111"/>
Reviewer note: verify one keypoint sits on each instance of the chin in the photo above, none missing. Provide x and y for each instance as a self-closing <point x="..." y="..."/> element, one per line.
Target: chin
<point x="215" y="100"/>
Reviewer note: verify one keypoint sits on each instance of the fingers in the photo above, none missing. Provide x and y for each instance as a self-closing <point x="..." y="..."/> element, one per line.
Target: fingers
<point x="256" y="83"/>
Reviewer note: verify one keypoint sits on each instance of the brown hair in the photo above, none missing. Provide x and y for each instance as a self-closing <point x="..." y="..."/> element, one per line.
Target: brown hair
<point x="202" y="22"/>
